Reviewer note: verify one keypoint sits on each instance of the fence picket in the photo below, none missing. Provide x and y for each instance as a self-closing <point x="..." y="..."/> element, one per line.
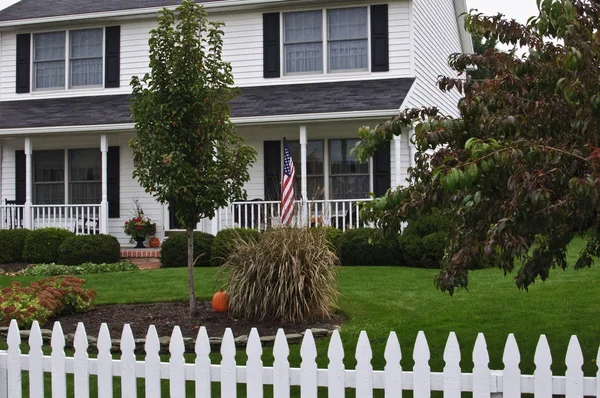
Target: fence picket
<point x="308" y="367"/>
<point x="574" y="374"/>
<point x="58" y="358"/>
<point x="152" y="363"/>
<point x="364" y="369"/>
<point x="228" y="366"/>
<point x="481" y="371"/>
<point x="81" y="378"/>
<point x="393" y="369"/>
<point x="421" y="371"/>
<point x="543" y="373"/>
<point x="598" y="374"/>
<point x="104" y="363"/>
<point x="203" y="364"/>
<point x="177" y="364"/>
<point x="452" y="372"/>
<point x="254" y="366"/>
<point x="281" y="366"/>
<point x="335" y="369"/>
<point x="511" y="373"/>
<point x="128" y="380"/>
<point x="36" y="362"/>
<point x="14" y="360"/>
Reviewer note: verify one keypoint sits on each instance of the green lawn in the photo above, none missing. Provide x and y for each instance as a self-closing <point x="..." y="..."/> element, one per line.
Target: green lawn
<point x="380" y="299"/>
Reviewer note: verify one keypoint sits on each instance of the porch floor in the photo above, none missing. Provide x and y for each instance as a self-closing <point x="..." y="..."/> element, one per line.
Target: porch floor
<point x="145" y="259"/>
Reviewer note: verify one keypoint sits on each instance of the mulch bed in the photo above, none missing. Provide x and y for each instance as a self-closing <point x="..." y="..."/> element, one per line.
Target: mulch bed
<point x="12" y="268"/>
<point x="164" y="316"/>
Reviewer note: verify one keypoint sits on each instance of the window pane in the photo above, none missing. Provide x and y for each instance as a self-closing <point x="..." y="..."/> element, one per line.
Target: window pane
<point x="86" y="57"/>
<point x="86" y="176"/>
<point x="49" y="46"/>
<point x="48" y="177"/>
<point x="86" y="72"/>
<point x="348" y="54"/>
<point x="303" y="38"/>
<point x="349" y="187"/>
<point x="342" y="162"/>
<point x="347" y="23"/>
<point x="86" y="43"/>
<point x="314" y="166"/>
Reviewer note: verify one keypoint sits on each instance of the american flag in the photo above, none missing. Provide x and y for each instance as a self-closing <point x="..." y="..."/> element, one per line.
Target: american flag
<point x="287" y="187"/>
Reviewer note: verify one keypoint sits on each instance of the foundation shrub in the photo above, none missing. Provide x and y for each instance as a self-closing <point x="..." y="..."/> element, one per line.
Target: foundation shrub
<point x="96" y="249"/>
<point x="12" y="243"/>
<point x="173" y="252"/>
<point x="42" y="245"/>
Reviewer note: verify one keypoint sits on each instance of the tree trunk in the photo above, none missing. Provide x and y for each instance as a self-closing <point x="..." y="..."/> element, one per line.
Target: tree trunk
<point x="190" y="258"/>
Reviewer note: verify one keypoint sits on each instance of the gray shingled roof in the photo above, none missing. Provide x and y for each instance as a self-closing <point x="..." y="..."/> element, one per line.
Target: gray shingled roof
<point x="293" y="99"/>
<point x="28" y="9"/>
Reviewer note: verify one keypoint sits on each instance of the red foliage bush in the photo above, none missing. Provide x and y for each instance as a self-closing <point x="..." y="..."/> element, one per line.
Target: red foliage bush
<point x="43" y="299"/>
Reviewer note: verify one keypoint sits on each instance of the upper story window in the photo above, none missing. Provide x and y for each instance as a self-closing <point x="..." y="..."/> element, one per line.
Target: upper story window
<point x="326" y="41"/>
<point x="84" y="53"/>
<point x="346" y="40"/>
<point x="68" y="59"/>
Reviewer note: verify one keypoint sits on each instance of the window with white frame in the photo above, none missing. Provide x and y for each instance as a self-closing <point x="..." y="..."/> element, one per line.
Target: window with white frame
<point x="315" y="167"/>
<point x="84" y="51"/>
<point x="345" y="39"/>
<point x="85" y="182"/>
<point x="86" y="57"/>
<point x="348" y="178"/>
<point x="48" y="177"/>
<point x="49" y="60"/>
<point x="303" y="41"/>
<point x="348" y="40"/>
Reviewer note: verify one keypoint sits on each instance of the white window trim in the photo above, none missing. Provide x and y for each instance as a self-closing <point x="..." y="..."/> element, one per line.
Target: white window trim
<point x="67" y="86"/>
<point x="325" y="44"/>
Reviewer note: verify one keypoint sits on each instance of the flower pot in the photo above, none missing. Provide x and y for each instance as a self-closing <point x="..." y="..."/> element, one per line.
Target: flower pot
<point x="140" y="242"/>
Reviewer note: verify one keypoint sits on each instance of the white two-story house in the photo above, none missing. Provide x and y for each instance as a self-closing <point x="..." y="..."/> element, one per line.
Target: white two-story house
<point x="310" y="71"/>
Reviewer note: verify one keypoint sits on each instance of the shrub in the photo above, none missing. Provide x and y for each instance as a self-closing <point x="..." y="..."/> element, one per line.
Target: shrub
<point x="225" y="241"/>
<point x="173" y="252"/>
<point x="422" y="242"/>
<point x="96" y="249"/>
<point x="83" y="269"/>
<point x="12" y="242"/>
<point x="367" y="246"/>
<point x="288" y="275"/>
<point x="43" y="299"/>
<point x="42" y="245"/>
<point x="332" y="236"/>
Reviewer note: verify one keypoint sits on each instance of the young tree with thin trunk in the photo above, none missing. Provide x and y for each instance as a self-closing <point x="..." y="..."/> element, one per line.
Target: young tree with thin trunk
<point x="186" y="152"/>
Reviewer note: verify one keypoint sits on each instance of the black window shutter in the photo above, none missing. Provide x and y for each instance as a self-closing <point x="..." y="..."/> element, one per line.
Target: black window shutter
<point x="380" y="58"/>
<point x="382" y="176"/>
<point x="112" y="72"/>
<point x="20" y="180"/>
<point x="272" y="170"/>
<point x="271" y="61"/>
<point x="113" y="182"/>
<point x="23" y="63"/>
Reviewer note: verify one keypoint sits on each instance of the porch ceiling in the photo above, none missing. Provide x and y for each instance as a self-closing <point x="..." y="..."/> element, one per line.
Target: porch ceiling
<point x="255" y="102"/>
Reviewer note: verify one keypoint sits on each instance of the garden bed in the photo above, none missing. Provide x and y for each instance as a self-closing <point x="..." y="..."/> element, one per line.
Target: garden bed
<point x="164" y="316"/>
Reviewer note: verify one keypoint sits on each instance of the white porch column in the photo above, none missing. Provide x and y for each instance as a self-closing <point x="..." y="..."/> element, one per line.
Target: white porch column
<point x="27" y="219"/>
<point x="412" y="148"/>
<point x="397" y="159"/>
<point x="104" y="201"/>
<point x="303" y="183"/>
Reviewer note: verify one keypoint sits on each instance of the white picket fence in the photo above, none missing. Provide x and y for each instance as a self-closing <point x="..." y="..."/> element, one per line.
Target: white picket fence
<point x="482" y="382"/>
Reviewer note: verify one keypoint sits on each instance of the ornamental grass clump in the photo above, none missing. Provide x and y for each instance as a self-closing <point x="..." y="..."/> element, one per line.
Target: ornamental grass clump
<point x="288" y="275"/>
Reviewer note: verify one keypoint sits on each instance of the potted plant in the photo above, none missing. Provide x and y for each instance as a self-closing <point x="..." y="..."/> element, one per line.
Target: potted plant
<point x="139" y="227"/>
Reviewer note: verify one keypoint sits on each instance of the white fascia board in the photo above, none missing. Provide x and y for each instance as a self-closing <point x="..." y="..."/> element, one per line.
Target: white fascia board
<point x="460" y="7"/>
<point x="241" y="121"/>
<point x="141" y="12"/>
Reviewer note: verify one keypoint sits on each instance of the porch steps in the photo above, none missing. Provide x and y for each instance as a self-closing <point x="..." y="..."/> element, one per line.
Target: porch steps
<point x="144" y="258"/>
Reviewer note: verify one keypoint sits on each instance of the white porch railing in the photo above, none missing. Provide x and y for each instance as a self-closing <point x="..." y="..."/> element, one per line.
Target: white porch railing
<point x="81" y="219"/>
<point x="393" y="380"/>
<point x="259" y="214"/>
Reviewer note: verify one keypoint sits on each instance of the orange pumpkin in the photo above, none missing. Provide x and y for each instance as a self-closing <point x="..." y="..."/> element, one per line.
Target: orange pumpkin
<point x="219" y="301"/>
<point x="154" y="242"/>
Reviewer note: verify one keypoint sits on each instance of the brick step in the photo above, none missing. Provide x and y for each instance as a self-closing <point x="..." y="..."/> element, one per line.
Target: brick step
<point x="145" y="263"/>
<point x="140" y="253"/>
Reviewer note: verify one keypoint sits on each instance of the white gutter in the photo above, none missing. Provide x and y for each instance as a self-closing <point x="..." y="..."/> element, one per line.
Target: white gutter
<point x="460" y="7"/>
<point x="240" y="121"/>
<point x="137" y="12"/>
